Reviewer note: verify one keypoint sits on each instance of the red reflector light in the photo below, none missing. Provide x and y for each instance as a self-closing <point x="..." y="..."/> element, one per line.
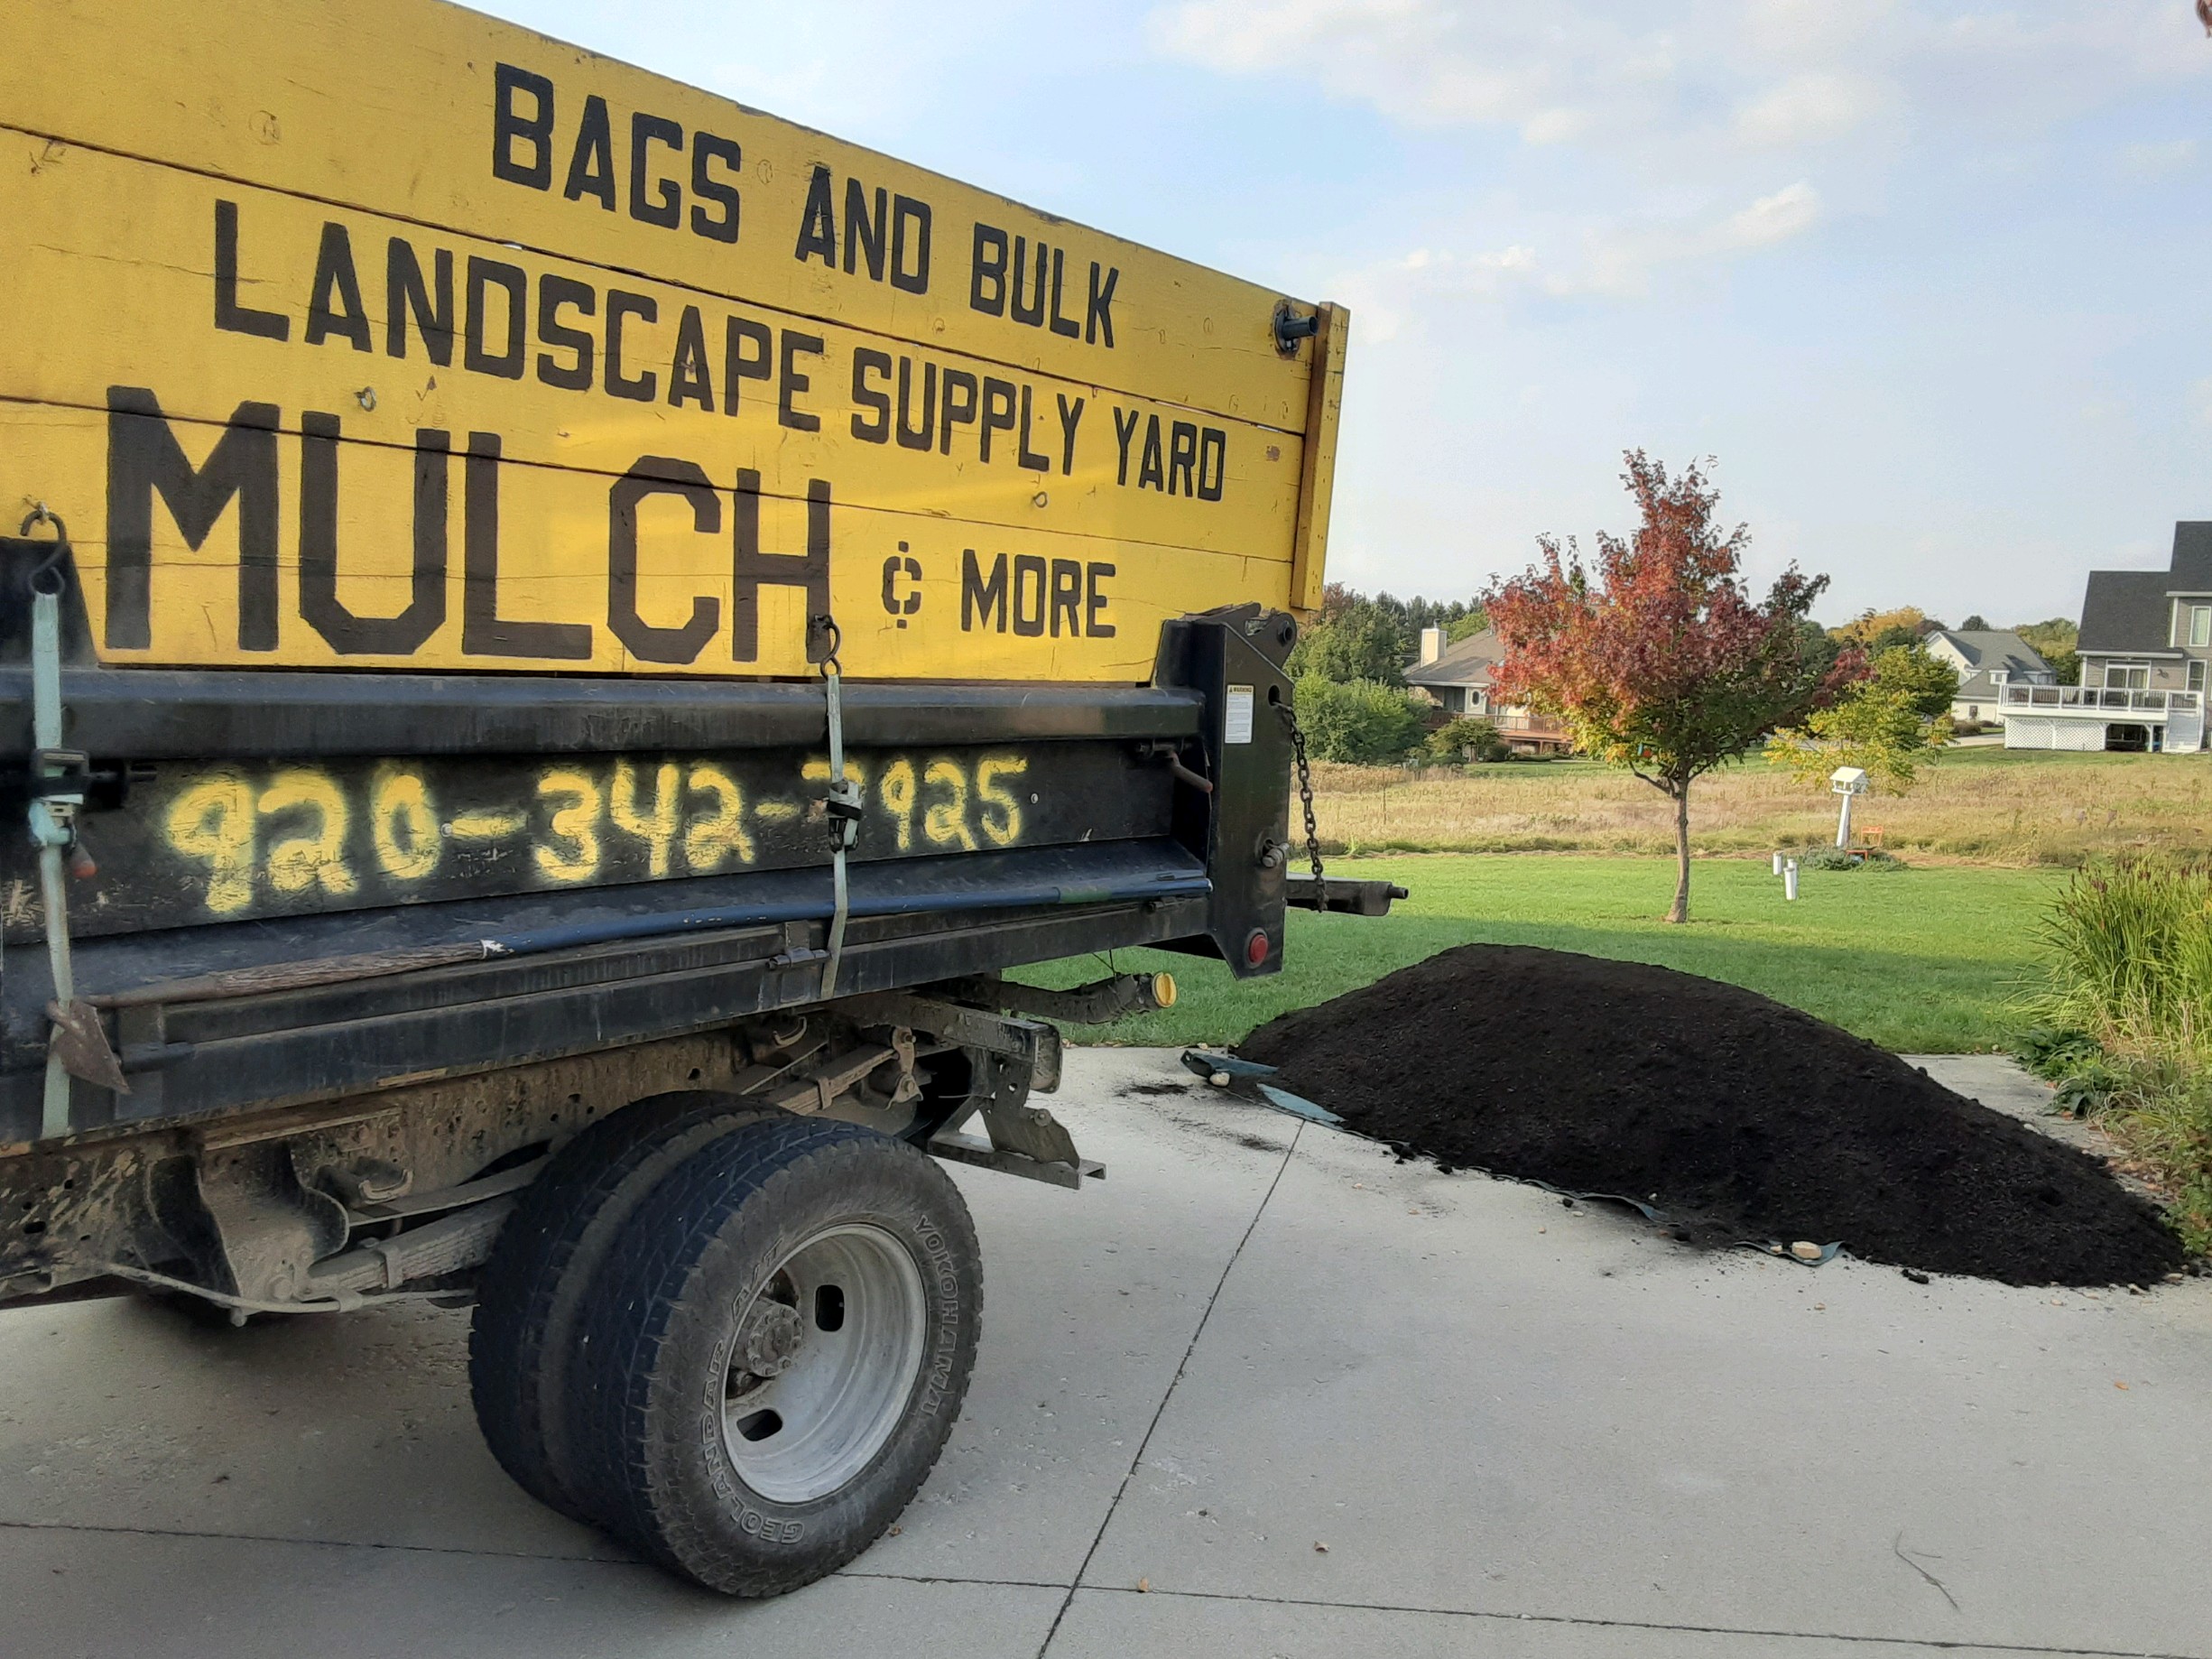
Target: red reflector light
<point x="1255" y="948"/>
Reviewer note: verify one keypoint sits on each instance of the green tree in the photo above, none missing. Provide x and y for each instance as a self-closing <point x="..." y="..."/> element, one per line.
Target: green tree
<point x="1876" y="631"/>
<point x="1357" y="721"/>
<point x="1890" y="723"/>
<point x="2054" y="641"/>
<point x="1468" y="734"/>
<point x="1470" y="624"/>
<point x="1359" y="641"/>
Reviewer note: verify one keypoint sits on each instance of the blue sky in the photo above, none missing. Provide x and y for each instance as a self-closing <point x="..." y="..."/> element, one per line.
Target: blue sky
<point x="1932" y="278"/>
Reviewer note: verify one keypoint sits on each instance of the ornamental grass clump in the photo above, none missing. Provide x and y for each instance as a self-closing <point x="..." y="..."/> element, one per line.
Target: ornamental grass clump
<point x="2126" y="1019"/>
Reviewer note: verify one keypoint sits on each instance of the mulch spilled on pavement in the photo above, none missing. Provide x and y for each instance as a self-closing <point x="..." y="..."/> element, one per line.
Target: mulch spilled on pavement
<point x="1742" y="1119"/>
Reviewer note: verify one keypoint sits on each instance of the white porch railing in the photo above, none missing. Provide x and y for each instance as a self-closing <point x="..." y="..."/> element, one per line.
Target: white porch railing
<point x="2100" y="700"/>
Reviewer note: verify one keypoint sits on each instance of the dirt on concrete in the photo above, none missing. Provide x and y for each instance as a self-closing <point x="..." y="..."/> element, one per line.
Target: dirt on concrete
<point x="1740" y="1118"/>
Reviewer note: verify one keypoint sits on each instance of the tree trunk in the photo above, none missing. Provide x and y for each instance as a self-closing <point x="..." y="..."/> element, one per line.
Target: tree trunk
<point x="1680" y="792"/>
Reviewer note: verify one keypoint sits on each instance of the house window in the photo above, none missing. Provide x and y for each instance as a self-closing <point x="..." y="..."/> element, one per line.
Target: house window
<point x="2200" y="625"/>
<point x="2196" y="675"/>
<point x="2127" y="677"/>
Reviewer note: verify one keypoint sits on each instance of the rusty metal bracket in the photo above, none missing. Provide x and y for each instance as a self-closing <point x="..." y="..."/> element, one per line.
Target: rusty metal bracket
<point x="1032" y="1042"/>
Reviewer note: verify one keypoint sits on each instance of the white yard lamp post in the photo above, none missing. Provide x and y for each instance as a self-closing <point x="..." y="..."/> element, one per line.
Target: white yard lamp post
<point x="1847" y="782"/>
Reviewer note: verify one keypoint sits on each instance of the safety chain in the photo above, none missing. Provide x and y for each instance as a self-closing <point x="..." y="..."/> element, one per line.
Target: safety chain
<point x="1305" y="799"/>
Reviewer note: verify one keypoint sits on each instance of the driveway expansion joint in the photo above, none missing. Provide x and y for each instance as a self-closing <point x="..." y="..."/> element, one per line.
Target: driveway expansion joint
<point x="1182" y="1365"/>
<point x="1947" y="1644"/>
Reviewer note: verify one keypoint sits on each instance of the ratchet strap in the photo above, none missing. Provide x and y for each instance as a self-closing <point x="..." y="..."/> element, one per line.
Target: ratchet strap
<point x="842" y="807"/>
<point x="77" y="1045"/>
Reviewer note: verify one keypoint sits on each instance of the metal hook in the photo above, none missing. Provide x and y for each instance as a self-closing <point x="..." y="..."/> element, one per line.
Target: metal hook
<point x="824" y="628"/>
<point x="46" y="575"/>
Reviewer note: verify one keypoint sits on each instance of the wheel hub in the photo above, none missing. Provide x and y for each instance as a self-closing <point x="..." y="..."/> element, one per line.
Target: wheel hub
<point x="770" y="1340"/>
<point x="824" y="1363"/>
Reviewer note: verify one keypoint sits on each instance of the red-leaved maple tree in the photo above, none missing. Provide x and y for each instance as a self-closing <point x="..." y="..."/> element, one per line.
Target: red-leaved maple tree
<point x="1658" y="659"/>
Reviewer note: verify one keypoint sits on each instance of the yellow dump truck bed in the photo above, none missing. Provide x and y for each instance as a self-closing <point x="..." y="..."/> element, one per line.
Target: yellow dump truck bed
<point x="396" y="337"/>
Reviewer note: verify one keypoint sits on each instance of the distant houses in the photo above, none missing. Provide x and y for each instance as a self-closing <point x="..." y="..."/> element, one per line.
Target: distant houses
<point x="1456" y="678"/>
<point x="2146" y="644"/>
<point x="1988" y="661"/>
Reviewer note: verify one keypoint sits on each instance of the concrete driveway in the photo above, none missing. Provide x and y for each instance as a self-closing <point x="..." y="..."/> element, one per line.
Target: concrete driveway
<point x="1264" y="1391"/>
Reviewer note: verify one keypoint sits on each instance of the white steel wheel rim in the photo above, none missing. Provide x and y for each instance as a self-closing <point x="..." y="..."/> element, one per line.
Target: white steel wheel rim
<point x="863" y="1319"/>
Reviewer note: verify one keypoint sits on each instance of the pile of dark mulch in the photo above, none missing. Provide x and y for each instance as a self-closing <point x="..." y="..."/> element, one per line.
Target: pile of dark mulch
<point x="1740" y="1118"/>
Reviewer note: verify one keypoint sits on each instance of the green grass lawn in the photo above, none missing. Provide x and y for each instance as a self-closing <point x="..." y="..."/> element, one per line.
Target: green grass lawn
<point x="1921" y="961"/>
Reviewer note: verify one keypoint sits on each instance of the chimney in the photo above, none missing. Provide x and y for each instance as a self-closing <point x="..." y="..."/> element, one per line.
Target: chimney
<point x="1432" y="645"/>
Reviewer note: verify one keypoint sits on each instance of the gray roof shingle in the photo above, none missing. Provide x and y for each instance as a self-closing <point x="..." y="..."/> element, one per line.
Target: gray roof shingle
<point x="2124" y="610"/>
<point x="1987" y="650"/>
<point x="2127" y="610"/>
<point x="1466" y="662"/>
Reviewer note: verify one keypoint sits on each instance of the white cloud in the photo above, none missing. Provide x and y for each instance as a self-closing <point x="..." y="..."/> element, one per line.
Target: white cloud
<point x="1788" y="211"/>
<point x="1385" y="295"/>
<point x="1556" y="73"/>
<point x="1620" y="261"/>
<point x="1807" y="109"/>
<point x="1769" y="72"/>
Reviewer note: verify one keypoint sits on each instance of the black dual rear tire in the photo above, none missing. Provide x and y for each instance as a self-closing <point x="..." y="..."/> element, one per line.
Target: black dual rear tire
<point x="541" y="1273"/>
<point x="756" y="1358"/>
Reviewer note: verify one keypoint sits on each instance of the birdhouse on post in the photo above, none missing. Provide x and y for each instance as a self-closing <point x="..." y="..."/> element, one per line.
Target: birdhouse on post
<point x="1849" y="782"/>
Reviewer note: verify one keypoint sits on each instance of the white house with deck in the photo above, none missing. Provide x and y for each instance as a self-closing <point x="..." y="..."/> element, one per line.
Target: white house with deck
<point x="2146" y="644"/>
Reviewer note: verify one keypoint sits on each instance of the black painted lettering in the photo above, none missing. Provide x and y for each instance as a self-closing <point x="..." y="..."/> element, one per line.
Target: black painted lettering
<point x="346" y="633"/>
<point x="484" y="633"/>
<point x="987" y="281"/>
<point x="898" y="569"/>
<point x="1098" y="320"/>
<point x="998" y="411"/>
<point x="689" y="380"/>
<point x="741" y="364"/>
<point x="867" y="361"/>
<point x="591" y="164"/>
<point x="1070" y="417"/>
<point x="431" y="304"/>
<point x="334" y="301"/>
<point x="916" y="434"/>
<point x="511" y="127"/>
<point x="1150" y="473"/>
<point x="752" y="569"/>
<point x="959" y="405"/>
<point x="866" y="234"/>
<point x="1029" y="311"/>
<point x="909" y="245"/>
<point x="229" y="314"/>
<point x="1025" y="457"/>
<point x="657" y="475"/>
<point x="1030" y="581"/>
<point x="654" y="201"/>
<point x="1067" y="596"/>
<point x="1096" y="600"/>
<point x="1059" y="324"/>
<point x="1182" y="459"/>
<point x="554" y="294"/>
<point x="1213" y="462"/>
<point x="791" y="383"/>
<point x="707" y="148"/>
<point x="621" y="305"/>
<point x="144" y="459"/>
<point x="980" y="596"/>
<point x="1122" y="435"/>
<point x="818" y="225"/>
<point x="484" y="275"/>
